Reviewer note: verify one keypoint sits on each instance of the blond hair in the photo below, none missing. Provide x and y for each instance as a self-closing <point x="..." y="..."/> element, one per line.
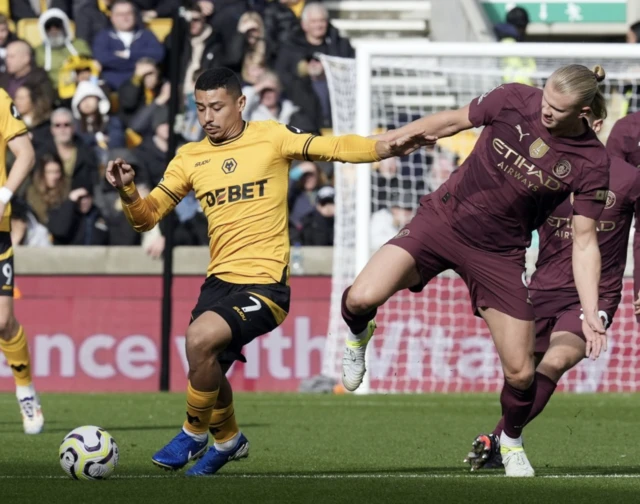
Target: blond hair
<point x="584" y="84"/>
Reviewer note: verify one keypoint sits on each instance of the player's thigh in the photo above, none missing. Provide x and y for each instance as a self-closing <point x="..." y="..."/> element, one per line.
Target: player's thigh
<point x="207" y="336"/>
<point x="514" y="340"/>
<point x="8" y="324"/>
<point x="497" y="281"/>
<point x="408" y="261"/>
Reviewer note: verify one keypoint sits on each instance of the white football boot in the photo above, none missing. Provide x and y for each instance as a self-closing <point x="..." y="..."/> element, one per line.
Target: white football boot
<point x="515" y="461"/>
<point x="32" y="418"/>
<point x="353" y="362"/>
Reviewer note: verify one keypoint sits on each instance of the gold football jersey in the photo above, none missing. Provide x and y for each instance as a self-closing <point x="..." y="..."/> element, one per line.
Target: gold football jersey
<point x="242" y="187"/>
<point x="11" y="125"/>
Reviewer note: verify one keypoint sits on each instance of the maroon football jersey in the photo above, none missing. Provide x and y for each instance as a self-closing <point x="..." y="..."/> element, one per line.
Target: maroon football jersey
<point x="518" y="172"/>
<point x="554" y="271"/>
<point x="624" y="139"/>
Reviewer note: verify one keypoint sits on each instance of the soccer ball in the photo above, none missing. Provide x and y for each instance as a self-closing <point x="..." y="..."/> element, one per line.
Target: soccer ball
<point x="89" y="453"/>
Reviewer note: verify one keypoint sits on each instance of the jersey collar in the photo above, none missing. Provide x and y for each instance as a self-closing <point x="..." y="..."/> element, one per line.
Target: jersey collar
<point x="230" y="140"/>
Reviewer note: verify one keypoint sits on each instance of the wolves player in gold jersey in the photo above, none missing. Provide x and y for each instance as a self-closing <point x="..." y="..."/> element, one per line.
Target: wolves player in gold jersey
<point x="13" y="342"/>
<point x="240" y="175"/>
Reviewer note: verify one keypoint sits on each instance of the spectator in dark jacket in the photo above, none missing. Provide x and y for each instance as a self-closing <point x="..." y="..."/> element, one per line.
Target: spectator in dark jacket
<point x="49" y="187"/>
<point x="302" y="192"/>
<point x="281" y="21"/>
<point x="316" y="228"/>
<point x="299" y="68"/>
<point x="35" y="109"/>
<point x="78" y="160"/>
<point x="22" y="9"/>
<point x="6" y="37"/>
<point x="22" y="70"/>
<point x="120" y="47"/>
<point x="204" y="48"/>
<point x="78" y="221"/>
<point x="139" y="91"/>
<point x="152" y="153"/>
<point x="91" y="17"/>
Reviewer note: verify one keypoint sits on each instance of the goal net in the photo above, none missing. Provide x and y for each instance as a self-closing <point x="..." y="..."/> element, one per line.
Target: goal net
<point x="431" y="342"/>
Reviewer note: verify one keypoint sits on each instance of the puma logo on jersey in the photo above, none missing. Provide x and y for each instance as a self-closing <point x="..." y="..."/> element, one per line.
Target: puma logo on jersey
<point x="202" y="163"/>
<point x="522" y="135"/>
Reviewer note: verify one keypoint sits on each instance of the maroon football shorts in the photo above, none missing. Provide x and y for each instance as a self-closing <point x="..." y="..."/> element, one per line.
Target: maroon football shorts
<point x="568" y="318"/>
<point x="494" y="280"/>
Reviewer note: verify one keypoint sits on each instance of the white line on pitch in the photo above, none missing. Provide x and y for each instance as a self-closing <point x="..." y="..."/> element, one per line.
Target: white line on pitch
<point x="340" y="476"/>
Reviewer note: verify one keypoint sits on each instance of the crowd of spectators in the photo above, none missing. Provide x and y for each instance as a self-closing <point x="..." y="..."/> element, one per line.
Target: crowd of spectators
<point x="92" y="83"/>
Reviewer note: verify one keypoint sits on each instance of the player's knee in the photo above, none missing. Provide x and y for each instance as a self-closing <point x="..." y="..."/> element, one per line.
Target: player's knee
<point x="520" y="377"/>
<point x="558" y="363"/>
<point x="361" y="299"/>
<point x="8" y="325"/>
<point x="201" y="344"/>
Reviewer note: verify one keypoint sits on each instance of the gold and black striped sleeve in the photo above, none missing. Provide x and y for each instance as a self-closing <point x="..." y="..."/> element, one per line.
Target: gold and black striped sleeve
<point x="346" y="148"/>
<point x="144" y="213"/>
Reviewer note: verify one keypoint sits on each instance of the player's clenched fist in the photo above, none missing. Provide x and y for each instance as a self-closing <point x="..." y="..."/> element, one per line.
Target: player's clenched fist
<point x="119" y="173"/>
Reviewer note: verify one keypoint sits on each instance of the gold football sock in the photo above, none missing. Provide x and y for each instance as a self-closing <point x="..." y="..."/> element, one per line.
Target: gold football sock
<point x="223" y="424"/>
<point x="16" y="352"/>
<point x="199" y="407"/>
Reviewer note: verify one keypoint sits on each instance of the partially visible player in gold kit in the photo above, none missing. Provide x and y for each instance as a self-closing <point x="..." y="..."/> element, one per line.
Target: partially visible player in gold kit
<point x="13" y="342"/>
<point x="240" y="175"/>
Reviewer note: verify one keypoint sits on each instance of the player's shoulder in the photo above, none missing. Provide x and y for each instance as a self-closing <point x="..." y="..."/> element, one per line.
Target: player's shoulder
<point x="4" y="96"/>
<point x="272" y="126"/>
<point x="629" y="121"/>
<point x="522" y="91"/>
<point x="193" y="147"/>
<point x="624" y="178"/>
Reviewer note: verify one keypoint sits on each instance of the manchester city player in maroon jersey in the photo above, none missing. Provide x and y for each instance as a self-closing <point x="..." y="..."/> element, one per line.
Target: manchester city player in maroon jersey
<point x="536" y="149"/>
<point x="560" y="341"/>
<point x="624" y="142"/>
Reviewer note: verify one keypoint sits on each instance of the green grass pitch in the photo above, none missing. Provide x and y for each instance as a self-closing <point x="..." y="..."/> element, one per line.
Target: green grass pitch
<point x="333" y="449"/>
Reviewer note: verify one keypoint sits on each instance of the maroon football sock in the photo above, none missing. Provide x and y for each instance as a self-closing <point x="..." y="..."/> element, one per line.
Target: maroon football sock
<point x="544" y="390"/>
<point x="356" y="323"/>
<point x="517" y="405"/>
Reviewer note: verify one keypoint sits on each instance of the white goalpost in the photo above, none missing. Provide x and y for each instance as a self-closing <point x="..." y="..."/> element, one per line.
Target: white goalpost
<point x="431" y="342"/>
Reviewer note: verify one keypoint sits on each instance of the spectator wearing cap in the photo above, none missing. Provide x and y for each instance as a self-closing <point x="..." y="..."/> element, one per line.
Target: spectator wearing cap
<point x="303" y="190"/>
<point x="152" y="152"/>
<point x="78" y="221"/>
<point x="35" y="109"/>
<point x="26" y="230"/>
<point x="298" y="63"/>
<point x="49" y="187"/>
<point x="265" y="102"/>
<point x="29" y="9"/>
<point x="91" y="17"/>
<point x="58" y="43"/>
<point x="6" y="37"/>
<point x="119" y="48"/>
<point x="90" y="108"/>
<point x="79" y="163"/>
<point x="316" y="228"/>
<point x="387" y="222"/>
<point x="22" y="70"/>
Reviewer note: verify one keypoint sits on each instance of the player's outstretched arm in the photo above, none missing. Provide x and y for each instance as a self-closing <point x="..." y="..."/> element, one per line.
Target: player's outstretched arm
<point x="143" y="213"/>
<point x="586" y="272"/>
<point x="439" y="125"/>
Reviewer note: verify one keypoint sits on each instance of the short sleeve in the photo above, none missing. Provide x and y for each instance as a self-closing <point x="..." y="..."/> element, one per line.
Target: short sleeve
<point x="616" y="143"/>
<point x="590" y="195"/>
<point x="485" y="108"/>
<point x="11" y="124"/>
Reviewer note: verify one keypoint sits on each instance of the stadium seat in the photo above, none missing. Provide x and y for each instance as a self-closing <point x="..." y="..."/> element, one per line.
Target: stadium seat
<point x="161" y="27"/>
<point x="27" y="29"/>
